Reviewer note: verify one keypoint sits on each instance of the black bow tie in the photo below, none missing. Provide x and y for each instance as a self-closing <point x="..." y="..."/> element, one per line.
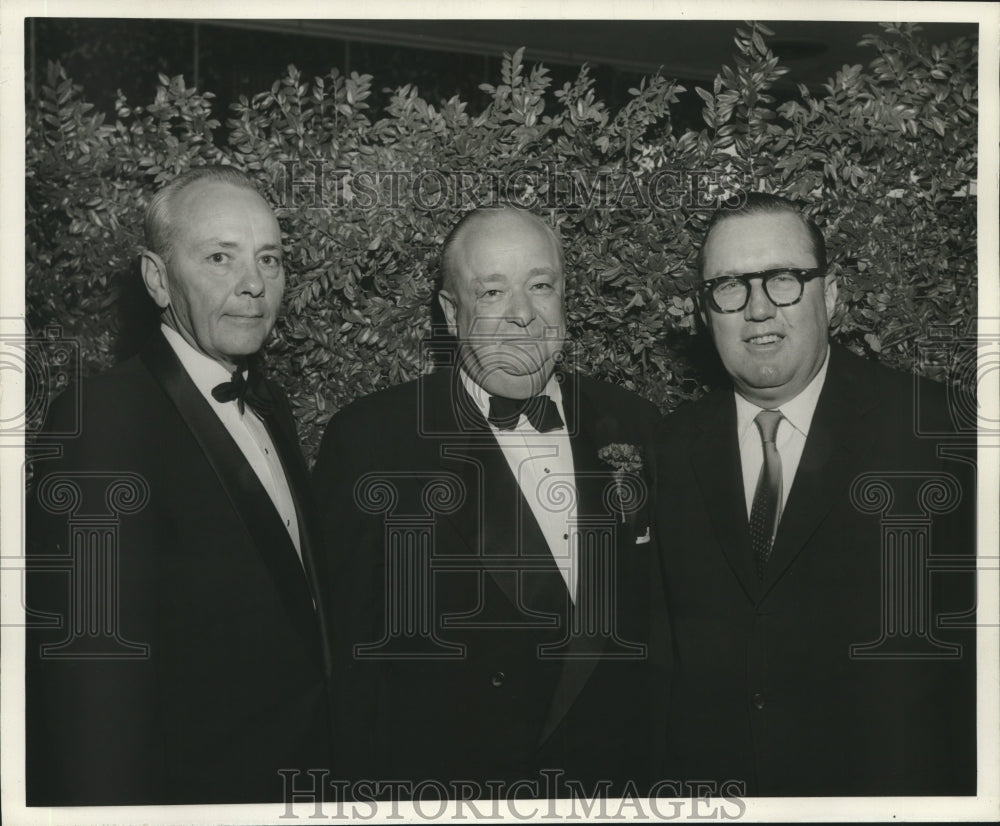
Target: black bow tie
<point x="540" y="410"/>
<point x="251" y="391"/>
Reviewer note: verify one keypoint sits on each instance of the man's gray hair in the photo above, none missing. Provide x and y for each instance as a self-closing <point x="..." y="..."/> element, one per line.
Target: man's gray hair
<point x="158" y="221"/>
<point x="471" y="218"/>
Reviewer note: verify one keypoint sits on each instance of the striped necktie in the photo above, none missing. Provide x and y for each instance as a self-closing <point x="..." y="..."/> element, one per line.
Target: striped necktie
<point x="767" y="496"/>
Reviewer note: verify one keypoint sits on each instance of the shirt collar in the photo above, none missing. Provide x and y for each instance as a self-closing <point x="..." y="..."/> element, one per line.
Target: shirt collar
<point x="481" y="397"/>
<point x="204" y="371"/>
<point x="798" y="411"/>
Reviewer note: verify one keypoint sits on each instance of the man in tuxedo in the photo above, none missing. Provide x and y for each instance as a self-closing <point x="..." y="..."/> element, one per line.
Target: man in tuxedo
<point x="175" y="651"/>
<point x="490" y="592"/>
<point x="813" y="649"/>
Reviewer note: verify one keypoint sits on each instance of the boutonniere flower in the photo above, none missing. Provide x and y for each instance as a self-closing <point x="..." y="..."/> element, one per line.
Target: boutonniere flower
<point x="624" y="458"/>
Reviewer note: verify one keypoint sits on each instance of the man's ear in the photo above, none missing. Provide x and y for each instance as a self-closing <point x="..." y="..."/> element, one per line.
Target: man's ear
<point x="448" y="307"/>
<point x="830" y="294"/>
<point x="154" y="276"/>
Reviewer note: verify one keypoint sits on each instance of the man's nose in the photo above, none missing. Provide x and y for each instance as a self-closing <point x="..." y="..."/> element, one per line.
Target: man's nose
<point x="759" y="306"/>
<point x="251" y="282"/>
<point x="519" y="309"/>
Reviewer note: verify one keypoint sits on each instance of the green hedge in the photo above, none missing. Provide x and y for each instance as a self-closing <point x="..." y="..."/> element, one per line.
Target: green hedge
<point x="886" y="155"/>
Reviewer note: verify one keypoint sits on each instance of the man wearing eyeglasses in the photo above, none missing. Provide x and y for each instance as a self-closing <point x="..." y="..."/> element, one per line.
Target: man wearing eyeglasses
<point x="809" y="655"/>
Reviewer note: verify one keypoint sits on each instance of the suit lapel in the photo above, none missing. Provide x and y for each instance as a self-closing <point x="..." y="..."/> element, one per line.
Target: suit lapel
<point x="495" y="520"/>
<point x="592" y="477"/>
<point x="718" y="469"/>
<point x="485" y="523"/>
<point x="282" y="431"/>
<point x="826" y="463"/>
<point x="238" y="480"/>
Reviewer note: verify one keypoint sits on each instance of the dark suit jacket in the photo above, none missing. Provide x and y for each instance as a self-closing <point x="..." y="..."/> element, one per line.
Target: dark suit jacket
<point x="483" y="701"/>
<point x="216" y="680"/>
<point x="767" y="689"/>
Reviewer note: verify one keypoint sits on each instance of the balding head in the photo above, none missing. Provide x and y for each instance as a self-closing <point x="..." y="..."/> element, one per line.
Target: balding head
<point x="159" y="223"/>
<point x="486" y="214"/>
<point x="502" y="296"/>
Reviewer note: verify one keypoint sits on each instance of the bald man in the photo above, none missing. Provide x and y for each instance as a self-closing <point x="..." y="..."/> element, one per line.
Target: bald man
<point x="490" y="584"/>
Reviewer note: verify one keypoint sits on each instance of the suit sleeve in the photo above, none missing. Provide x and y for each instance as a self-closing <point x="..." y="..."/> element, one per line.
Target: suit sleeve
<point x="355" y="568"/>
<point x="953" y="601"/>
<point x="91" y="732"/>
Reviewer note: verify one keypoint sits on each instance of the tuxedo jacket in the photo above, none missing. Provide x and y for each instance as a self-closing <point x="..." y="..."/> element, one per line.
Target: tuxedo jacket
<point x="850" y="669"/>
<point x="454" y="658"/>
<point x="191" y="669"/>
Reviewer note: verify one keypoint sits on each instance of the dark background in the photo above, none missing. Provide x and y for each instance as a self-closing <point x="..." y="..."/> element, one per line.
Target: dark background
<point x="441" y="57"/>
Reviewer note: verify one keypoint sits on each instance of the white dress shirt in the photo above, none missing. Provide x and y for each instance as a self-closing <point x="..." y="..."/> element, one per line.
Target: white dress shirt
<point x="789" y="440"/>
<point x="542" y="464"/>
<point x="247" y="430"/>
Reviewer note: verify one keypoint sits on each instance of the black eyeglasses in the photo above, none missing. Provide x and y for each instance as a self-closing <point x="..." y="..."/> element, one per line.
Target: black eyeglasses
<point x="783" y="286"/>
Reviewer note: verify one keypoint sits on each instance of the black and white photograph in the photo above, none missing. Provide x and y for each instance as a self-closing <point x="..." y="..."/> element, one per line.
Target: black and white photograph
<point x="583" y="412"/>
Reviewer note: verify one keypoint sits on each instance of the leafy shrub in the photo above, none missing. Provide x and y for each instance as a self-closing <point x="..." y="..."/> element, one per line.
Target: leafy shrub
<point x="886" y="156"/>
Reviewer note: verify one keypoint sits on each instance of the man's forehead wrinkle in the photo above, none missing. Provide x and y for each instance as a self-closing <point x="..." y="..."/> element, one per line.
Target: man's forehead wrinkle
<point x="492" y="278"/>
<point x="775" y="262"/>
<point x="488" y="249"/>
<point x="217" y="240"/>
<point x="235" y="207"/>
<point x="212" y="236"/>
<point x="757" y="242"/>
<point x="720" y="273"/>
<point x="511" y="226"/>
<point x="497" y="259"/>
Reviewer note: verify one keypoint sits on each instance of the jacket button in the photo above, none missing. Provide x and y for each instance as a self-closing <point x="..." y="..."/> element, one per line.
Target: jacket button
<point x="758" y="701"/>
<point x="497" y="679"/>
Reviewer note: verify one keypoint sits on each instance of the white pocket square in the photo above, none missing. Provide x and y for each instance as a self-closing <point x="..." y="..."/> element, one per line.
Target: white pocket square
<point x="642" y="540"/>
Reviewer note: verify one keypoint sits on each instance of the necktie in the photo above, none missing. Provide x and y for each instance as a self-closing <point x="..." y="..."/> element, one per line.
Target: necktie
<point x="767" y="496"/>
<point x="540" y="410"/>
<point x="251" y="391"/>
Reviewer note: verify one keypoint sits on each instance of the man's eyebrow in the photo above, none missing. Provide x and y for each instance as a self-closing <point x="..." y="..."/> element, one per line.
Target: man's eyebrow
<point x="231" y="245"/>
<point x="542" y="271"/>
